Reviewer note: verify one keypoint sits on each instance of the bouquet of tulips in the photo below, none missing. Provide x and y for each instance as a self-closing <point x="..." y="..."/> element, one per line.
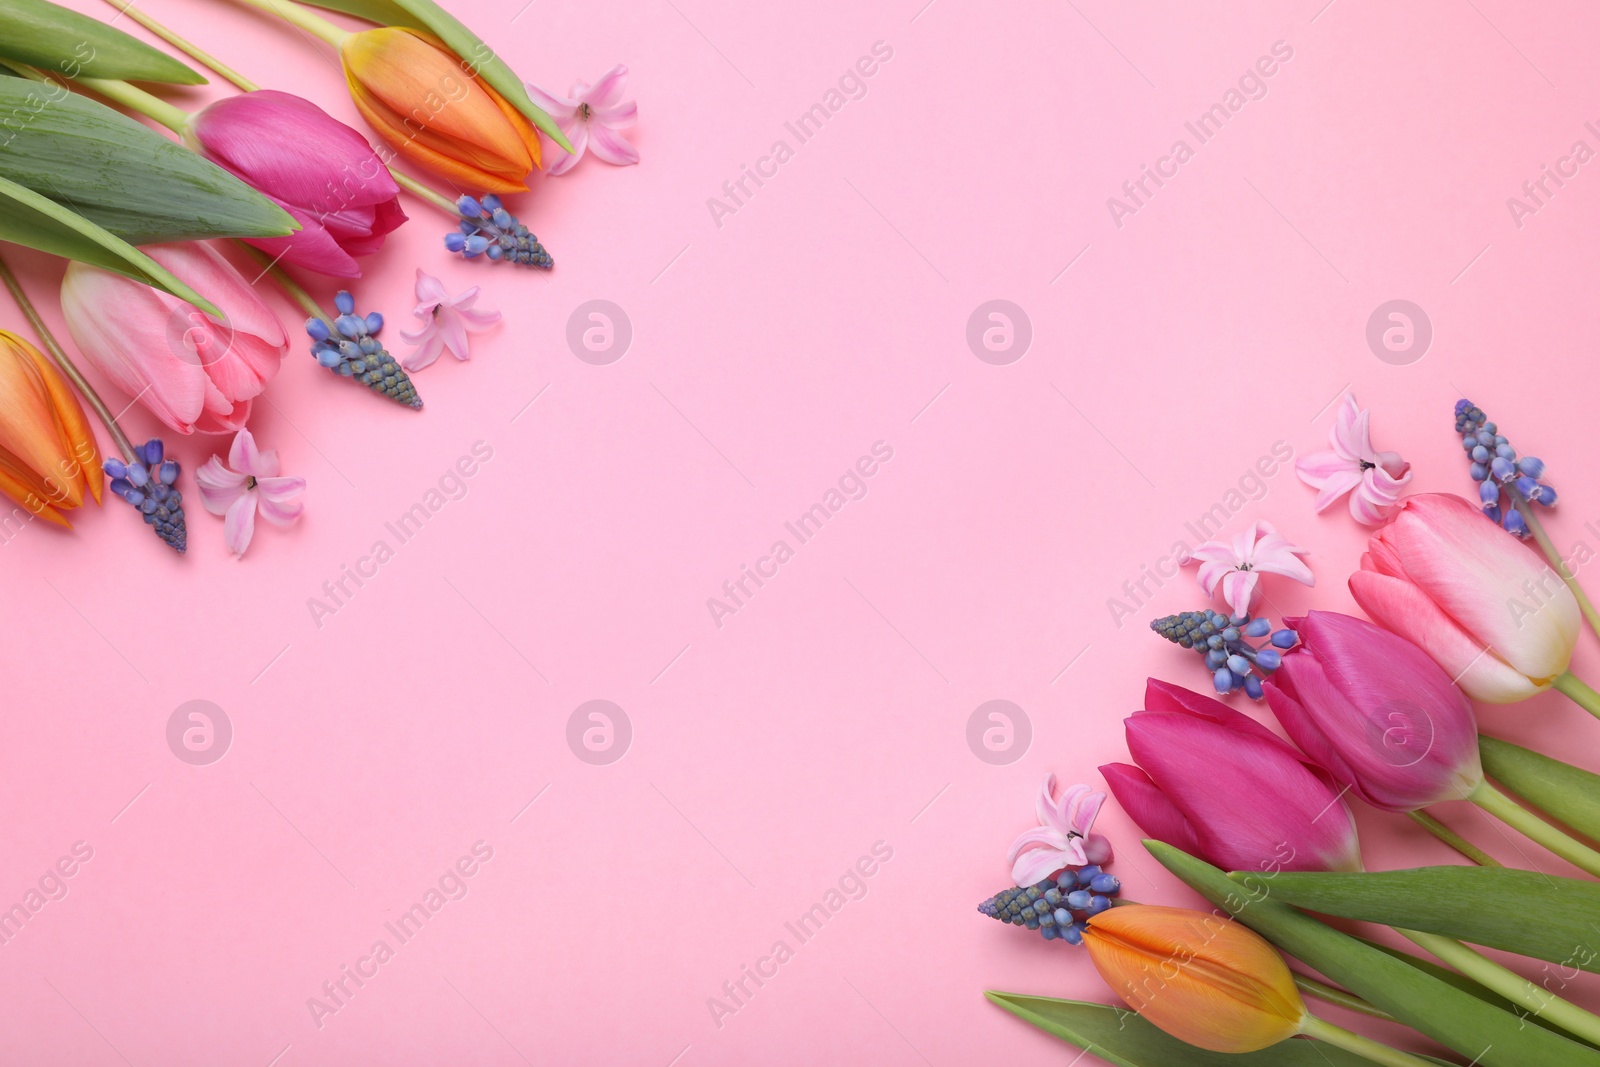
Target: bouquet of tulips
<point x="1262" y="829"/>
<point x="154" y="225"/>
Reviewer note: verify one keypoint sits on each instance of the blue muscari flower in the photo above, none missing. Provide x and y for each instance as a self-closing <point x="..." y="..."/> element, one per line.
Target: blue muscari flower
<point x="351" y="349"/>
<point x="1504" y="479"/>
<point x="1224" y="643"/>
<point x="149" y="481"/>
<point x="488" y="229"/>
<point x="1060" y="907"/>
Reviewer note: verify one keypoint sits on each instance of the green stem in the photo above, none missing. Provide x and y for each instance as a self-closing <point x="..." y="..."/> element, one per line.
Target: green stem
<point x="1375" y="1051"/>
<point x="136" y="99"/>
<point x="131" y="10"/>
<point x="68" y="368"/>
<point x="1454" y="840"/>
<point x="1334" y="995"/>
<point x="303" y="17"/>
<point x="1578" y="692"/>
<point x="438" y="200"/>
<point x="293" y="289"/>
<point x="1530" y="825"/>
<point x="1515" y="988"/>
<point x="1549" y="549"/>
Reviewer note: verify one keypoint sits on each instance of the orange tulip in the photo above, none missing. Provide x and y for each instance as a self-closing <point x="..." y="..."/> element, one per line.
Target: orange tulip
<point x="425" y="101"/>
<point x="48" y="455"/>
<point x="1202" y="978"/>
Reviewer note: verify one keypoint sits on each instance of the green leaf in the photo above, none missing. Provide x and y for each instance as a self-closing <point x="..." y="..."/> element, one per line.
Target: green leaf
<point x="50" y="37"/>
<point x="1539" y="915"/>
<point x="1121" y="1037"/>
<point x="121" y="174"/>
<point x="1460" y="1021"/>
<point x="1467" y="985"/>
<point x="1566" y="793"/>
<point x="478" y="56"/>
<point x="26" y="218"/>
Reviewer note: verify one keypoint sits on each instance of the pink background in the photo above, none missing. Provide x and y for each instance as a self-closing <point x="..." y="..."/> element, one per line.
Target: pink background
<point x="769" y="353"/>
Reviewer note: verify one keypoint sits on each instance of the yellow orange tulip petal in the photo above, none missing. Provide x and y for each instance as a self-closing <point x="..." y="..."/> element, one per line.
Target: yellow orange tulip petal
<point x="73" y="424"/>
<point x="421" y="99"/>
<point x="33" y="432"/>
<point x="1202" y="978"/>
<point x="17" y="486"/>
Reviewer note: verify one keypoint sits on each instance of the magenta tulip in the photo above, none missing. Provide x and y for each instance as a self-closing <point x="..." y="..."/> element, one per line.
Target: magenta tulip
<point x="1380" y="715"/>
<point x="310" y="164"/>
<point x="1221" y="786"/>
<point x="1483" y="605"/>
<point x="193" y="372"/>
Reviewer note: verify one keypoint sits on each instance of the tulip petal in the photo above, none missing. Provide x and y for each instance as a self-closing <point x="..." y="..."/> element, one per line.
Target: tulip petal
<point x="1149" y="807"/>
<point x="1403" y="608"/>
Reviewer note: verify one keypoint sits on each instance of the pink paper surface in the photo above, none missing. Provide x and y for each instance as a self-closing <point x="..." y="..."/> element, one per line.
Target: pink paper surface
<point x="1175" y="351"/>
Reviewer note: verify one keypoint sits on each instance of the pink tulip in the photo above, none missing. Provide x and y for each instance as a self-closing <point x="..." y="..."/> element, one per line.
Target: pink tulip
<point x="193" y="372"/>
<point x="1483" y="605"/>
<point x="1221" y="786"/>
<point x="1376" y="712"/>
<point x="310" y="164"/>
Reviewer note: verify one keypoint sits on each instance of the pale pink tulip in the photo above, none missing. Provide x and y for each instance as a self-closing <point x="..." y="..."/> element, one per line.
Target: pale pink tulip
<point x="1373" y="479"/>
<point x="193" y="372"/>
<point x="1485" y="606"/>
<point x="248" y="483"/>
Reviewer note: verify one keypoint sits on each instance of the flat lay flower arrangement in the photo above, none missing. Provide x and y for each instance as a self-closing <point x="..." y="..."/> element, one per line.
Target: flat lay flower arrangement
<point x="1468" y="600"/>
<point x="166" y="214"/>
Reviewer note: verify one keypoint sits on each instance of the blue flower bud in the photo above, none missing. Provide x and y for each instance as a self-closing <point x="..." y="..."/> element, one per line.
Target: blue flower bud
<point x="1258" y="627"/>
<point x="491" y="203"/>
<point x="1502" y="468"/>
<point x="1284" y="638"/>
<point x="1097" y="904"/>
<point x="152" y="451"/>
<point x="1063" y="916"/>
<point x="1223" y="681"/>
<point x="1073" y="935"/>
<point x="344" y="302"/>
<point x="1252" y="688"/>
<point x="1086" y="874"/>
<point x="1514" y="524"/>
<point x="374" y="322"/>
<point x="1269" y="659"/>
<point x="137" y="475"/>
<point x="1547" y="496"/>
<point x="1480" y="454"/>
<point x="168" y="472"/>
<point x="455" y="242"/>
<point x="1239" y="665"/>
<point x="1478" y="472"/>
<point x="1532" y="466"/>
<point x="1079" y="899"/>
<point x="469" y="207"/>
<point x="115" y="468"/>
<point x="1488" y="492"/>
<point x="1106" y="884"/>
<point x="317" y="329"/>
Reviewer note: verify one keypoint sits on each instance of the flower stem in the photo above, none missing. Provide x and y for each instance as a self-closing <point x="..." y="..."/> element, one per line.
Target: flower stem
<point x="1375" y="1051"/>
<point x="1530" y="825"/>
<point x="1549" y="549"/>
<point x="1454" y="840"/>
<point x="438" y="200"/>
<point x="1579" y="692"/>
<point x="59" y="355"/>
<point x="136" y="99"/>
<point x="130" y="9"/>
<point x="293" y="289"/>
<point x="303" y="17"/>
<point x="1515" y="988"/>
<point x="1334" y="995"/>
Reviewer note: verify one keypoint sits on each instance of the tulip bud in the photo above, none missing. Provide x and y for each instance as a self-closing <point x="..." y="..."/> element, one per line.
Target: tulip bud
<point x="428" y="104"/>
<point x="1203" y="978"/>
<point x="316" y="168"/>
<point x="192" y="371"/>
<point x="1220" y="785"/>
<point x="1376" y="712"/>
<point x="1485" y="607"/>
<point x="48" y="455"/>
